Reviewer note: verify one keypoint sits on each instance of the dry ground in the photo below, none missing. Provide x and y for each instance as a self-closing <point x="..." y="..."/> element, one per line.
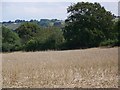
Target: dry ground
<point x="90" y="68"/>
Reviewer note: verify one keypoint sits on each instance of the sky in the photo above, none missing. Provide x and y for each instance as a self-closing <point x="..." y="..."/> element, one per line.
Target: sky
<point x="27" y="10"/>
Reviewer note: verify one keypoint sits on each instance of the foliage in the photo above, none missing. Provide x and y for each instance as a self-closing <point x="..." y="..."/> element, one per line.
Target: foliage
<point x="10" y="40"/>
<point x="117" y="31"/>
<point x="87" y="25"/>
<point x="42" y="23"/>
<point x="27" y="30"/>
<point x="48" y="38"/>
<point x="109" y="43"/>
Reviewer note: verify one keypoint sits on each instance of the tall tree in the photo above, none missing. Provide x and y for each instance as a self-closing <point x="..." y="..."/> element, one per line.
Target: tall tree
<point x="117" y="31"/>
<point x="87" y="25"/>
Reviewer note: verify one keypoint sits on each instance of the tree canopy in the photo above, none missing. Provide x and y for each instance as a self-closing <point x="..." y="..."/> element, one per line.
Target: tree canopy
<point x="48" y="39"/>
<point x="87" y="25"/>
<point x="10" y="40"/>
<point x="27" y="30"/>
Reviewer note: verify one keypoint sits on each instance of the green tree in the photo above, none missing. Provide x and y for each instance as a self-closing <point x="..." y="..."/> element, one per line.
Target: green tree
<point x="87" y="25"/>
<point x="10" y="40"/>
<point x="27" y="30"/>
<point x="55" y="38"/>
<point x="50" y="38"/>
<point x="117" y="32"/>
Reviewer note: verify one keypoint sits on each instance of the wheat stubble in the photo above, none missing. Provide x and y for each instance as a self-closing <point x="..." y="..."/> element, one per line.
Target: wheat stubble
<point x="88" y="68"/>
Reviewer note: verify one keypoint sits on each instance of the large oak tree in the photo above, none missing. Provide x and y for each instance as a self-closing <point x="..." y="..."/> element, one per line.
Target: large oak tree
<point x="87" y="25"/>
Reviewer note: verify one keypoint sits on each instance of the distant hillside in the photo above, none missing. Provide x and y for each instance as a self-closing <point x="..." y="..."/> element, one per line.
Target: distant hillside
<point x="12" y="26"/>
<point x="43" y="23"/>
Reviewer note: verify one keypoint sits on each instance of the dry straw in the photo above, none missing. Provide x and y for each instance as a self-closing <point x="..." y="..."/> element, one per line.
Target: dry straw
<point x="90" y="68"/>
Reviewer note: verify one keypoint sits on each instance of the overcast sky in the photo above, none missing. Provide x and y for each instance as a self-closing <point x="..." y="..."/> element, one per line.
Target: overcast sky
<point x="13" y="9"/>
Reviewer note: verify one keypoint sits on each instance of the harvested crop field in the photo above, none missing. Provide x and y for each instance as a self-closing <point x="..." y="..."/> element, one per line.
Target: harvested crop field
<point x="88" y="68"/>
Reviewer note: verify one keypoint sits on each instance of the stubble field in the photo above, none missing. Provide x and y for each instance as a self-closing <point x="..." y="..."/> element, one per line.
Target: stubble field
<point x="88" y="68"/>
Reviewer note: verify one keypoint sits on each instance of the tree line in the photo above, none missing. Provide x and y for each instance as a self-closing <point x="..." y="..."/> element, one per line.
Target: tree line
<point x="42" y="22"/>
<point x="87" y="25"/>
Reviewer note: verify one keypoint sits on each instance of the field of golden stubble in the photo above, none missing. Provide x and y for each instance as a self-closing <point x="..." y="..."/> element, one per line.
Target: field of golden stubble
<point x="88" y="68"/>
